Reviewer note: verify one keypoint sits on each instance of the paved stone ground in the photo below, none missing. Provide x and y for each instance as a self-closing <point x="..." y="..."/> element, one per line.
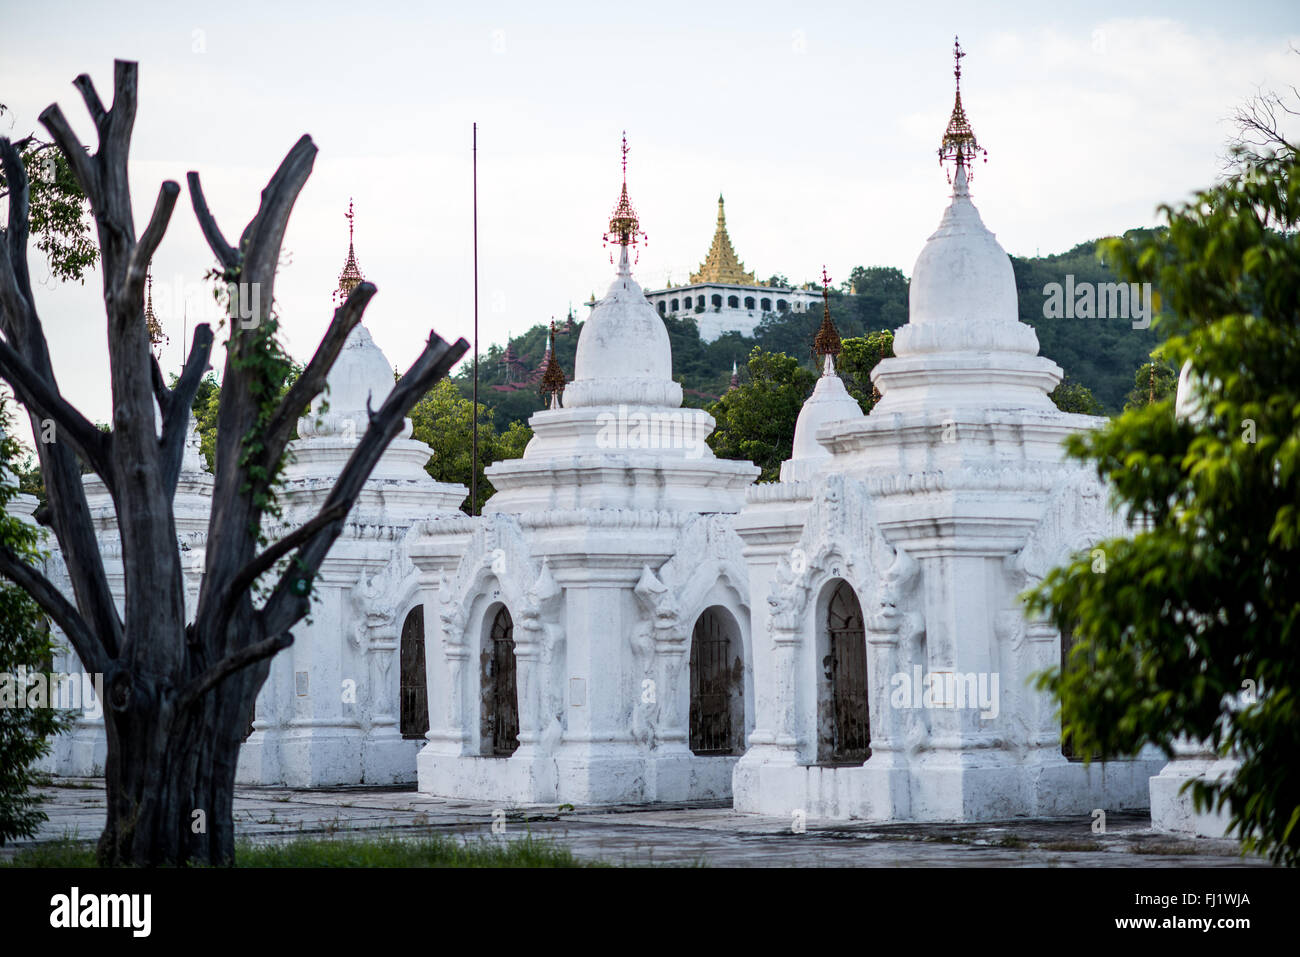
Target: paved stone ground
<point x="709" y="834"/>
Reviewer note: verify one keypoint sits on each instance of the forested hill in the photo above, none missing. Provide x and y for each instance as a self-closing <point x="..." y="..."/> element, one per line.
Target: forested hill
<point x="1101" y="354"/>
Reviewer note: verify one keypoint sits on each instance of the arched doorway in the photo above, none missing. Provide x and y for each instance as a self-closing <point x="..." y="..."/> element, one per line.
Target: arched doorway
<point x="717" y="713"/>
<point x="413" y="689"/>
<point x="845" y="728"/>
<point x="499" y="728"/>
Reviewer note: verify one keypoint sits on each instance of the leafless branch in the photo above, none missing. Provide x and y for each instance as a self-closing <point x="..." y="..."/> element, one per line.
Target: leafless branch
<point x="249" y="654"/>
<point x="312" y="380"/>
<point x="225" y="253"/>
<point x="289" y="601"/>
<point x="62" y="611"/>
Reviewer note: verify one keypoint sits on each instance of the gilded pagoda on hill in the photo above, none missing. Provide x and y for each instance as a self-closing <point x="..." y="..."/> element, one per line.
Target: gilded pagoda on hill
<point x="722" y="297"/>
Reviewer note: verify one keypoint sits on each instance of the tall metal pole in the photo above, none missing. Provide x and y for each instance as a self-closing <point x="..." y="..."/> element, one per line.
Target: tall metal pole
<point x="473" y="475"/>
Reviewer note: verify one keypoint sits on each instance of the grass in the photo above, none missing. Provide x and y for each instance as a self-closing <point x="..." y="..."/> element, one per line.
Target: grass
<point x="1168" y="849"/>
<point x="1079" y="846"/>
<point x="432" y="851"/>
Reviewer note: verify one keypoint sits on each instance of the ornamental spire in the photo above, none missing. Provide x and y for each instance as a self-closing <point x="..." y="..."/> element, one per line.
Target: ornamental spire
<point x="722" y="264"/>
<point x="157" y="337"/>
<point x="351" y="276"/>
<point x="552" y="375"/>
<point x="624" y="225"/>
<point x="827" y="343"/>
<point x="959" y="144"/>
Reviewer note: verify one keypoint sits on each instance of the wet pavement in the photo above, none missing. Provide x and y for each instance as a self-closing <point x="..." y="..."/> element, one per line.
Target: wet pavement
<point x="708" y="834"/>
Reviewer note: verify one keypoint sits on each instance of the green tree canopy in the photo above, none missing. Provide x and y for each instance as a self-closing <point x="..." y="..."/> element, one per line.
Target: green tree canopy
<point x="1189" y="627"/>
<point x="756" y="419"/>
<point x="1154" y="381"/>
<point x="1071" y="396"/>
<point x="58" y="214"/>
<point x="445" y="420"/>
<point x="862" y="354"/>
<point x="25" y="647"/>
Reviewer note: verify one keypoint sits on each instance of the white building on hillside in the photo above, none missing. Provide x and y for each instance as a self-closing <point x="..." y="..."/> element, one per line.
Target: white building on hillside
<point x="722" y="297"/>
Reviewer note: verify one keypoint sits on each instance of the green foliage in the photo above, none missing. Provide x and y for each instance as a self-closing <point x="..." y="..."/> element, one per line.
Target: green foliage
<point x="879" y="296"/>
<point x="756" y="419"/>
<point x="207" y="402"/>
<point x="1100" y="354"/>
<point x="1190" y="626"/>
<point x="445" y="421"/>
<point x="1072" y="396"/>
<point x="59" y="219"/>
<point x="862" y="354"/>
<point x="24" y="643"/>
<point x="432" y="851"/>
<point x="1154" y="381"/>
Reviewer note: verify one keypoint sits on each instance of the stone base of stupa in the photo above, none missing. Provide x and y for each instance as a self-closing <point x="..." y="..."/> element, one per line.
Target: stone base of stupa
<point x="956" y="788"/>
<point x="1172" y="809"/>
<point x="614" y="775"/>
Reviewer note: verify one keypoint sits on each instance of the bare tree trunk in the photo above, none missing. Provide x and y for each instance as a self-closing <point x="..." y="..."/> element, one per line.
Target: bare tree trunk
<point x="190" y="817"/>
<point x="178" y="695"/>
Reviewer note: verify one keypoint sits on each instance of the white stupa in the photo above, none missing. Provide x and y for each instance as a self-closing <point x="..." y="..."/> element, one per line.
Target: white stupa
<point x="829" y="402"/>
<point x="887" y="570"/>
<point x="567" y="613"/>
<point x="329" y="710"/>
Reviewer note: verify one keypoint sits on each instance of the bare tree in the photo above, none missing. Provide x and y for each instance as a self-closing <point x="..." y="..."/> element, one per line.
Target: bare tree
<point x="178" y="695"/>
<point x="1261" y="128"/>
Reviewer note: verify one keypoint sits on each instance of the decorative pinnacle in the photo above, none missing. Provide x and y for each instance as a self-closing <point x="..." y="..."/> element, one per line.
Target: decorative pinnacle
<point x="959" y="144"/>
<point x="827" y="342"/>
<point x="156" y="335"/>
<point x="553" y="380"/>
<point x="624" y="225"/>
<point x="351" y="276"/>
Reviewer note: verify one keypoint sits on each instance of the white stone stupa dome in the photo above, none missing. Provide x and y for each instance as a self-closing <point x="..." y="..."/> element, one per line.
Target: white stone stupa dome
<point x="829" y="402"/>
<point x="963" y="290"/>
<point x="623" y="351"/>
<point x="623" y="357"/>
<point x="361" y="374"/>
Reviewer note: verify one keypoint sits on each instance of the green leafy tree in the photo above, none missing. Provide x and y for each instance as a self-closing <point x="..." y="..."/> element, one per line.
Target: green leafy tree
<point x="58" y="215"/>
<point x="1154" y="381"/>
<point x="1071" y="396"/>
<point x="862" y="354"/>
<point x="756" y="419"/>
<point x="25" y="648"/>
<point x="1189" y="627"/>
<point x="444" y="419"/>
<point x="879" y="296"/>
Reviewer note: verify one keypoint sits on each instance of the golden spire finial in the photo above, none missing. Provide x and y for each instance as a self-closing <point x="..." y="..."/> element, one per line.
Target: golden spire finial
<point x="156" y="335"/>
<point x="827" y="342"/>
<point x="959" y="144"/>
<point x="351" y="276"/>
<point x="553" y="380"/>
<point x="624" y="225"/>
<point x="722" y="264"/>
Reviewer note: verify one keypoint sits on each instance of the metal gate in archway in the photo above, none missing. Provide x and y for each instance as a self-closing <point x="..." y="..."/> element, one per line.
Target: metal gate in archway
<point x="504" y="698"/>
<point x="412" y="684"/>
<point x="710" y="724"/>
<point x="851" y="727"/>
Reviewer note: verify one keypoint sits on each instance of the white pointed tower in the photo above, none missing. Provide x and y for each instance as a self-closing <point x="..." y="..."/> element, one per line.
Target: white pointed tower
<point x="581" y="587"/>
<point x="888" y="568"/>
<point x="829" y="402"/>
<point x="329" y="710"/>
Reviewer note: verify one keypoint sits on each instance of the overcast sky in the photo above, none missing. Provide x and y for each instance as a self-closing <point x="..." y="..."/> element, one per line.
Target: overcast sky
<point x="817" y="121"/>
